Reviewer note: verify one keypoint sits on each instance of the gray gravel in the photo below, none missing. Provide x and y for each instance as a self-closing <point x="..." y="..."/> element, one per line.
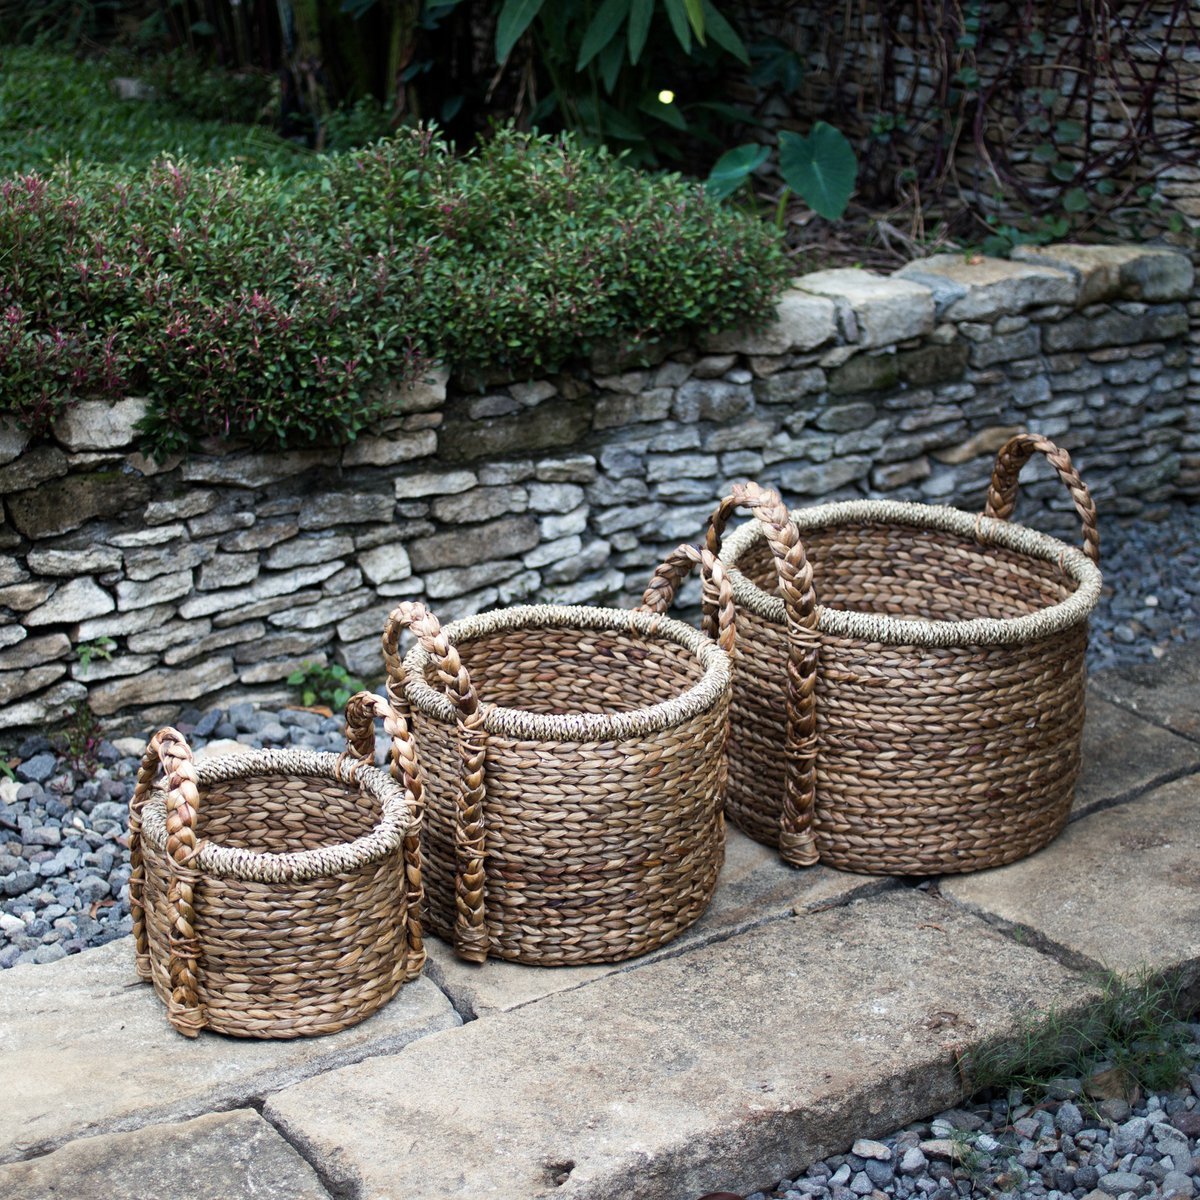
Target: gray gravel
<point x="1063" y="1146"/>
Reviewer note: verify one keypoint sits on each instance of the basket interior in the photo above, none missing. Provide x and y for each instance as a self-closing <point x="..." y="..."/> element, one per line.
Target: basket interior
<point x="280" y="814"/>
<point x="558" y="671"/>
<point x="917" y="574"/>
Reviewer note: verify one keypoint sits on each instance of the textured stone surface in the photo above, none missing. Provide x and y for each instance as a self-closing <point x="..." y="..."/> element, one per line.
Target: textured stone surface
<point x="99" y="425"/>
<point x="463" y="547"/>
<point x="65" y="504"/>
<point x="1111" y="272"/>
<point x="92" y="561"/>
<point x="802" y="322"/>
<point x="221" y="1156"/>
<point x="886" y="309"/>
<point x="73" y="601"/>
<point x="754" y="885"/>
<point x="668" y="1081"/>
<point x="1117" y="887"/>
<point x="991" y="286"/>
<point x="1164" y="693"/>
<point x="155" y="687"/>
<point x="87" y="1018"/>
<point x="555" y="423"/>
<point x="252" y="470"/>
<point x="48" y="708"/>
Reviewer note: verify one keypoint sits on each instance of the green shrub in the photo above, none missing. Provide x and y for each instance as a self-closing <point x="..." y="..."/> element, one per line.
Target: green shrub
<point x="262" y="305"/>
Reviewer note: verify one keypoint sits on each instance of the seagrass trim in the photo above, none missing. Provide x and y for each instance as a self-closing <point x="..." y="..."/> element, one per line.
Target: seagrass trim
<point x="891" y="631"/>
<point x="521" y="724"/>
<point x="300" y="866"/>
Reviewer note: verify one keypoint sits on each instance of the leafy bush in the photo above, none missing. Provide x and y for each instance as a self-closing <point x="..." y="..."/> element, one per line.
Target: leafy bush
<point x="249" y="304"/>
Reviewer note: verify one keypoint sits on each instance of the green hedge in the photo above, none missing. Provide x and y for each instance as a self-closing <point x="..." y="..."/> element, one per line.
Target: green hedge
<point x="247" y="303"/>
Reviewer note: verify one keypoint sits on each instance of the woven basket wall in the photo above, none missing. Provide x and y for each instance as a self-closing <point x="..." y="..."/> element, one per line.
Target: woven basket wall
<point x="574" y="773"/>
<point x="275" y="893"/>
<point x="925" y="668"/>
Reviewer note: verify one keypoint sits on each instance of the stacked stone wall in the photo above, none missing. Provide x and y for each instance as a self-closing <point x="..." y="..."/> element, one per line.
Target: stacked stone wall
<point x="138" y="587"/>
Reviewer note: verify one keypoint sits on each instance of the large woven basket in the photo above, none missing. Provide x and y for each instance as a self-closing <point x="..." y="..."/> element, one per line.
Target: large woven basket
<point x="574" y="770"/>
<point x="276" y="893"/>
<point x="923" y="666"/>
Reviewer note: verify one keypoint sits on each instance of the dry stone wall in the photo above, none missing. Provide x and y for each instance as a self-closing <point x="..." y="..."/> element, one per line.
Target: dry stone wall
<point x="139" y="587"/>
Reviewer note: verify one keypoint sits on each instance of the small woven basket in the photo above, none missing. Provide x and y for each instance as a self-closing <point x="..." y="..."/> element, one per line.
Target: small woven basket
<point x="574" y="762"/>
<point x="276" y="893"/>
<point x="932" y="703"/>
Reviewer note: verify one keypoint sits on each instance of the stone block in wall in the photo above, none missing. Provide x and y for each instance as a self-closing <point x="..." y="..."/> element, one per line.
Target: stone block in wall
<point x="741" y="435"/>
<point x="598" y="590"/>
<point x="155" y="687"/>
<point x="574" y="468"/>
<point x="519" y="589"/>
<point x="51" y="706"/>
<point x="842" y="418"/>
<point x="894" y="475"/>
<point x="986" y="441"/>
<point x="886" y="309"/>
<point x="344" y="508"/>
<point x="146" y="564"/>
<point x="325" y="611"/>
<point x="458" y="581"/>
<point x="32" y="468"/>
<point x="20" y="597"/>
<point x="864" y="373"/>
<point x="559" y="525"/>
<point x="99" y="424"/>
<point x="555" y="423"/>
<point x="121" y="624"/>
<point x="228" y="570"/>
<point x="221" y="522"/>
<point x="191" y="504"/>
<point x="301" y="551"/>
<point x="387" y="451"/>
<point x="802" y="322"/>
<point x="75" y="601"/>
<point x="814" y="479"/>
<point x="980" y="288"/>
<point x="498" y="474"/>
<point x="239" y="603"/>
<point x="30" y="651"/>
<point x="433" y="483"/>
<point x="11" y="570"/>
<point x="789" y="387"/>
<point x="617" y="410"/>
<point x="386" y="563"/>
<point x="711" y="400"/>
<point x="12" y="443"/>
<point x="662" y="467"/>
<point x="1006" y="347"/>
<point x="1112" y="328"/>
<point x="290" y="643"/>
<point x="479" y="504"/>
<point x="51" y="508"/>
<point x="160" y="637"/>
<point x="503" y="538"/>
<point x="591" y="557"/>
<point x="558" y="550"/>
<point x="160" y="590"/>
<point x="252" y="470"/>
<point x="113" y="668"/>
<point x="554" y="497"/>
<point x="937" y="363"/>
<point x="1103" y="273"/>
<point x="15" y="684"/>
<point x="423" y="395"/>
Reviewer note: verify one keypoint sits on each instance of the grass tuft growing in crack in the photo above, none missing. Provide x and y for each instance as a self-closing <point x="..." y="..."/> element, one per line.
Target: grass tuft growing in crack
<point x="1130" y="1039"/>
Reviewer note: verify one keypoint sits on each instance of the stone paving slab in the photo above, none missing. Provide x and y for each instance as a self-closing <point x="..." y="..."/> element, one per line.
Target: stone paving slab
<point x="755" y="886"/>
<point x="85" y="1048"/>
<point x="1120" y="887"/>
<point x="216" y="1157"/>
<point x="727" y="1067"/>
<point x="1165" y="692"/>
<point x="1122" y="753"/>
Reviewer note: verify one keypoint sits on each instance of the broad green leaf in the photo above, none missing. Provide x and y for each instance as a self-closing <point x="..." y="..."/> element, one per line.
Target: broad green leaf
<point x="610" y="62"/>
<point x="820" y="168"/>
<point x="669" y="114"/>
<point x="1068" y="131"/>
<point x="733" y="168"/>
<point x="1064" y="171"/>
<point x="1076" y="200"/>
<point x="1044" y="153"/>
<point x="724" y="34"/>
<point x="640" y="14"/>
<point x="515" y="17"/>
<point x="678" y="17"/>
<point x="695" y="16"/>
<point x="605" y="24"/>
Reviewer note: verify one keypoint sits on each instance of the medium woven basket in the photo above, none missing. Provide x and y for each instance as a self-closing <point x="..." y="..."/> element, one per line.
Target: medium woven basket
<point x="276" y="893"/>
<point x="574" y="770"/>
<point x="932" y="702"/>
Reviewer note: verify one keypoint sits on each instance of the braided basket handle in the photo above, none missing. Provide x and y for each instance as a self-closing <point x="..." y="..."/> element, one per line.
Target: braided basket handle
<point x="169" y="750"/>
<point x="361" y="711"/>
<point x="719" y="610"/>
<point x="1002" y="492"/>
<point x="797" y="847"/>
<point x="471" y="940"/>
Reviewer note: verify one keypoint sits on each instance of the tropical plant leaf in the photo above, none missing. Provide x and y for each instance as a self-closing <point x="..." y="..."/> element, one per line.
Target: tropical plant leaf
<point x="515" y="17"/>
<point x="356" y="8"/>
<point x="609" y="18"/>
<point x="669" y="114"/>
<point x="677" y="15"/>
<point x="733" y="168"/>
<point x="695" y="16"/>
<point x="610" y="61"/>
<point x="820" y="168"/>
<point x="640" y="14"/>
<point x="724" y="34"/>
<point x="1076" y="201"/>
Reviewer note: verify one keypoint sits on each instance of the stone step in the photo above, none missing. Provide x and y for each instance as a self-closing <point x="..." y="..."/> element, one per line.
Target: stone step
<point x="85" y="1048"/>
<point x="1164" y="692"/>
<point x="727" y="1067"/>
<point x="215" y="1157"/>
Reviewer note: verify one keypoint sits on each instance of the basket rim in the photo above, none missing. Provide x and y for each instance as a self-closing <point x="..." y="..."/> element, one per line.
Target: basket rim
<point x="297" y="866"/>
<point x="522" y="724"/>
<point x="894" y="631"/>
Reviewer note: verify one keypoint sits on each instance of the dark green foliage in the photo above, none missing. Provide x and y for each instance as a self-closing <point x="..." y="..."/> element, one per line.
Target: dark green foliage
<point x="265" y="306"/>
<point x="329" y="686"/>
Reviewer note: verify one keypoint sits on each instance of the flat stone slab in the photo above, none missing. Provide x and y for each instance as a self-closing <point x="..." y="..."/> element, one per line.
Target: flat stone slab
<point x="1120" y="887"/>
<point x="754" y="886"/>
<point x="85" y="1048"/>
<point x="222" y="1156"/>
<point x="979" y="288"/>
<point x="886" y="309"/>
<point x="1149" y="273"/>
<point x="1166" y="692"/>
<point x="725" y="1068"/>
<point x="1122" y="754"/>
